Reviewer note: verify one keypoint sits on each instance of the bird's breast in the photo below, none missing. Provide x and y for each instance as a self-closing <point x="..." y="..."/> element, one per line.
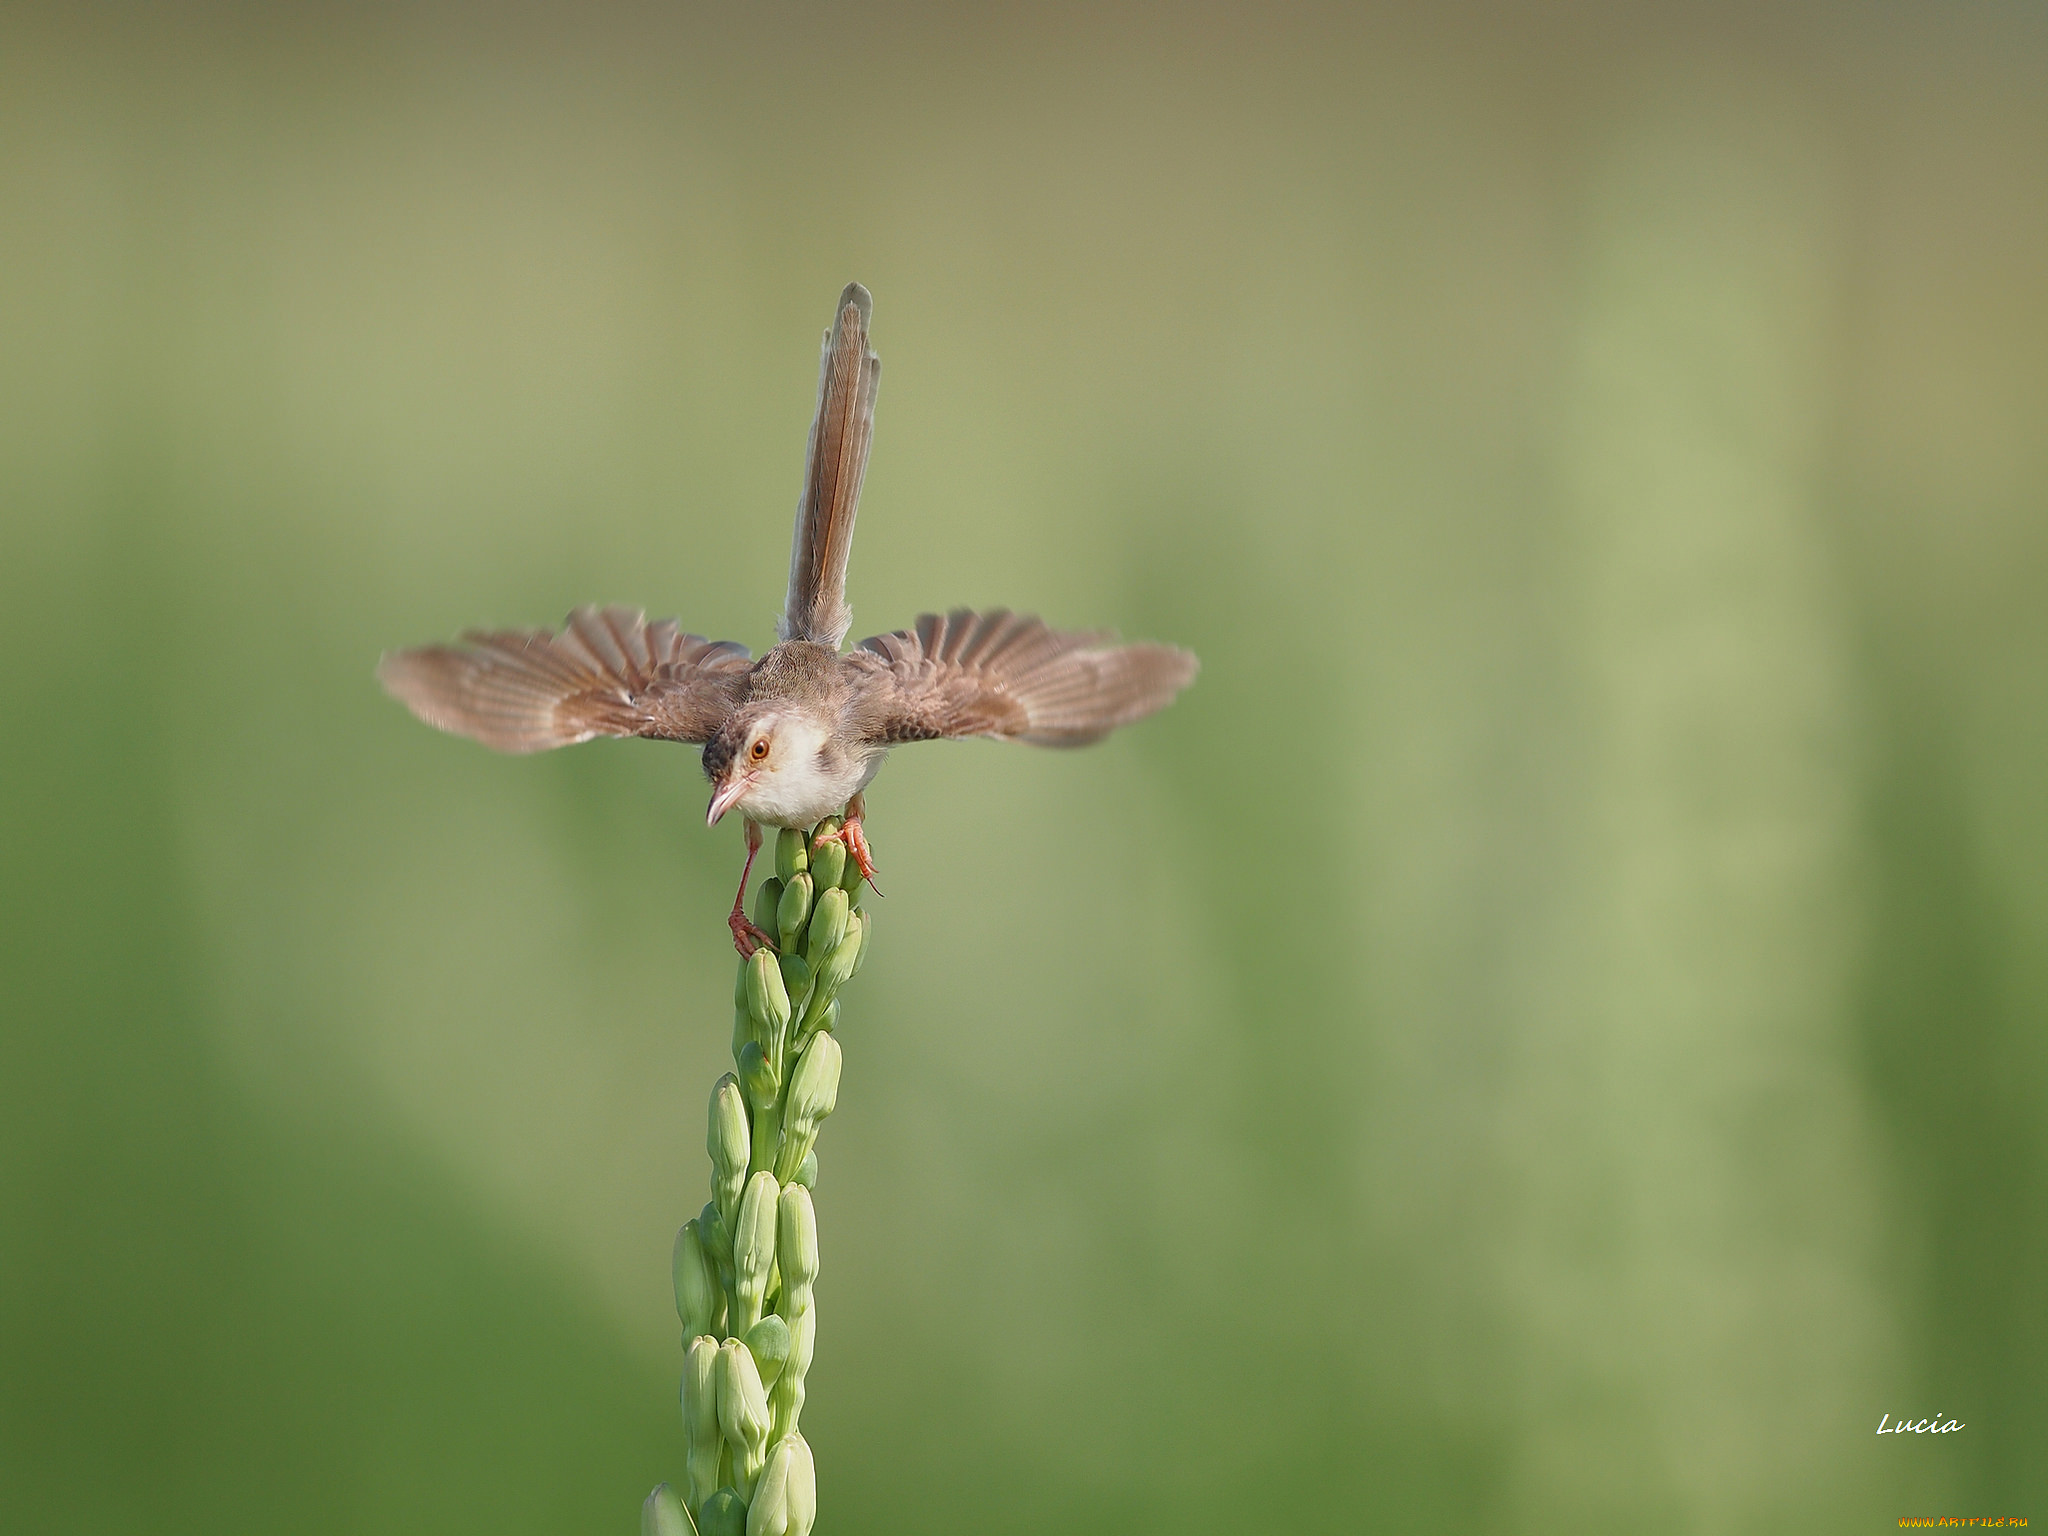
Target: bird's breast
<point x="804" y="794"/>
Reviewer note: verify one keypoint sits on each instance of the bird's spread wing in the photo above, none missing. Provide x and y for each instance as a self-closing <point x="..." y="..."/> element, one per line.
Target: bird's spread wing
<point x="835" y="462"/>
<point x="1008" y="675"/>
<point x="608" y="673"/>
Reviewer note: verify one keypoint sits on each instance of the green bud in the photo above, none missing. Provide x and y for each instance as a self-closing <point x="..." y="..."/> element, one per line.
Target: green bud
<point x="828" y="1020"/>
<point x="715" y="1236"/>
<point x="828" y="860"/>
<point x="767" y="1136"/>
<point x="768" y="1343"/>
<point x="803" y="1487"/>
<point x="807" y="1173"/>
<point x="768" y="1510"/>
<point x="767" y="999"/>
<point x="723" y="1514"/>
<point x="786" y="1498"/>
<point x="742" y="1029"/>
<point x="786" y="1403"/>
<point x="753" y="1248"/>
<point x="813" y="1093"/>
<point x="742" y="1414"/>
<point x="828" y="926"/>
<point x="729" y="1143"/>
<point x="763" y="1085"/>
<point x="700" y="1417"/>
<point x="830" y="977"/>
<point x="794" y="909"/>
<point x="796" y="1246"/>
<point x="757" y="1077"/>
<point x="867" y="929"/>
<point x="792" y="854"/>
<point x="700" y="1302"/>
<point x="796" y="979"/>
<point x="663" y="1514"/>
<point x="767" y="897"/>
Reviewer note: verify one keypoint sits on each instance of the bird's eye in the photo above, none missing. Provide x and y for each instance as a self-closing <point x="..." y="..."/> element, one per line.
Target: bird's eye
<point x="760" y="748"/>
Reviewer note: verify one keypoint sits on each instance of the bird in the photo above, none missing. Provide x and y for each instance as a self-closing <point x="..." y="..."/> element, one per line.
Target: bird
<point x="795" y="737"/>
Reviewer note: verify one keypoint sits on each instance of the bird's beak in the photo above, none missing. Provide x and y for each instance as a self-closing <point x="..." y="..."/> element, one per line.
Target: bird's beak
<point x="722" y="800"/>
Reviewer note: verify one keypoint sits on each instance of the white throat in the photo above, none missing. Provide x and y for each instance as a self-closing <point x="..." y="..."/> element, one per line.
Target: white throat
<point x="801" y="784"/>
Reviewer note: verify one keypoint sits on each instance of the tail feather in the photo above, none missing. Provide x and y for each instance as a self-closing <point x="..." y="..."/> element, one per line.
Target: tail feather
<point x="835" y="464"/>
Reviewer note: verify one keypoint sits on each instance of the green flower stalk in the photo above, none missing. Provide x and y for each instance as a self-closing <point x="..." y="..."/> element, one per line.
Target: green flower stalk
<point x="700" y="1419"/>
<point x="745" y="1268"/>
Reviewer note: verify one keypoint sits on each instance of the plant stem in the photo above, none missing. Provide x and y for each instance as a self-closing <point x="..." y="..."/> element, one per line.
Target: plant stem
<point x="755" y="1245"/>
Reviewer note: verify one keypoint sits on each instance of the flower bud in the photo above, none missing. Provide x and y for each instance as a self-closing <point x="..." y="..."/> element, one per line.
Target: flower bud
<point x="768" y="1342"/>
<point x="662" y="1514"/>
<point x="767" y="1137"/>
<point x="796" y="1245"/>
<point x="767" y="900"/>
<point x="723" y="1514"/>
<point x="828" y="1020"/>
<point x="867" y="930"/>
<point x="700" y="1417"/>
<point x="715" y="1236"/>
<point x="828" y="926"/>
<point x="795" y="908"/>
<point x="742" y="1029"/>
<point x="753" y="1248"/>
<point x="828" y="860"/>
<point x="807" y="1171"/>
<point x="786" y="1498"/>
<point x="700" y="1302"/>
<point x="728" y="1142"/>
<point x="813" y="1092"/>
<point x="763" y="1086"/>
<point x="768" y="1510"/>
<point x="757" y="1077"/>
<point x="792" y="854"/>
<point x="796" y="980"/>
<point x="803" y="1487"/>
<point x="831" y="976"/>
<point x="767" y="999"/>
<point x="742" y="1414"/>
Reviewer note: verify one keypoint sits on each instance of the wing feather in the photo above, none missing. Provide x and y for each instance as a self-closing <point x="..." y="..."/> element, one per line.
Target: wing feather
<point x="1012" y="677"/>
<point x="608" y="673"/>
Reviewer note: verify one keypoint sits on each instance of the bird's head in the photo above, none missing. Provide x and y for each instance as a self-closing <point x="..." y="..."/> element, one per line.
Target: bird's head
<point x="763" y="759"/>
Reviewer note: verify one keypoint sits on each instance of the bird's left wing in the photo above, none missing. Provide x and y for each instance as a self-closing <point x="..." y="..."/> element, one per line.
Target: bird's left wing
<point x="1009" y="676"/>
<point x="608" y="673"/>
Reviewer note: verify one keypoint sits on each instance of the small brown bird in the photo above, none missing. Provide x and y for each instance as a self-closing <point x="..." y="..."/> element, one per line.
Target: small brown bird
<point x="797" y="736"/>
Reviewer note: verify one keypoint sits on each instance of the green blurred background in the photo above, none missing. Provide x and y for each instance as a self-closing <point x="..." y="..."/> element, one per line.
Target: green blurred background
<point x="1545" y="1036"/>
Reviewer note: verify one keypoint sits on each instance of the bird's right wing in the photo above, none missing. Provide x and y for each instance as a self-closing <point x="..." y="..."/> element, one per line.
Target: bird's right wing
<point x="608" y="673"/>
<point x="1009" y="676"/>
<point x="835" y="463"/>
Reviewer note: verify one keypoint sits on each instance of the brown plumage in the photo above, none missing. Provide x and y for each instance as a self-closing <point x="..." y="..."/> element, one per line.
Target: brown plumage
<point x="796" y="736"/>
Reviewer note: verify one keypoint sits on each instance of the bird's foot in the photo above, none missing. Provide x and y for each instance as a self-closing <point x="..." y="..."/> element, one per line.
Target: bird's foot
<point x="747" y="936"/>
<point x="849" y="832"/>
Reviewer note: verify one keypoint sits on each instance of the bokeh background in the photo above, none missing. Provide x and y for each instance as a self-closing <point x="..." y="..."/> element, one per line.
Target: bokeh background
<point x="1545" y="1036"/>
